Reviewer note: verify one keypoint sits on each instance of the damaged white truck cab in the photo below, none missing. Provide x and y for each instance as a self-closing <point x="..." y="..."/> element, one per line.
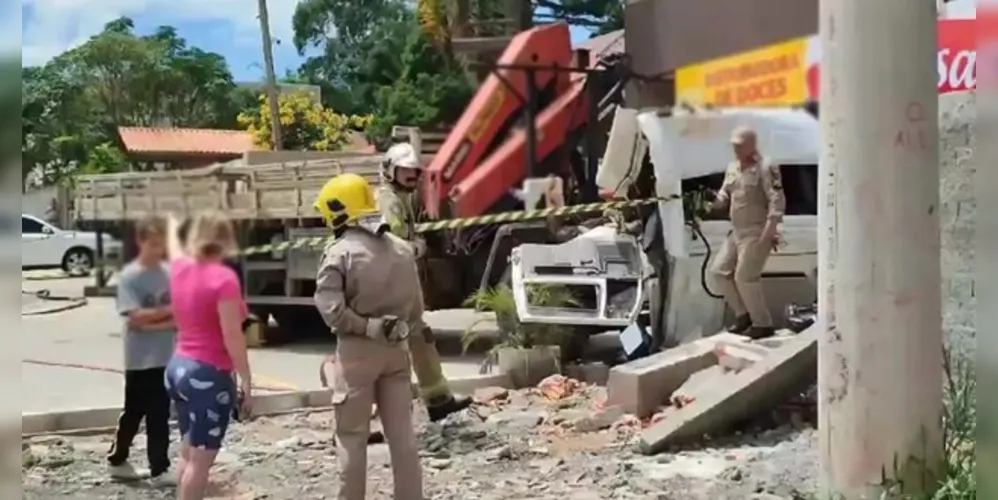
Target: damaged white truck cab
<point x="687" y="151"/>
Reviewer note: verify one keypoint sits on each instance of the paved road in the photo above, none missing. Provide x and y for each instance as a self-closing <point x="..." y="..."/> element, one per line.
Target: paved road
<point x="70" y="359"/>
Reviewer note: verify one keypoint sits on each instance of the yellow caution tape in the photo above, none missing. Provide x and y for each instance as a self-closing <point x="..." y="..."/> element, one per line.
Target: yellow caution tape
<point x="482" y="220"/>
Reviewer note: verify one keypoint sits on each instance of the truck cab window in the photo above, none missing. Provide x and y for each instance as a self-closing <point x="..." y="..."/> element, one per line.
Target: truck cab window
<point x="800" y="186"/>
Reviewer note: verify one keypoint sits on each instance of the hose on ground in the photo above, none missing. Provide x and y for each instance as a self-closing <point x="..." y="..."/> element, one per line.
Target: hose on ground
<point x="46" y="294"/>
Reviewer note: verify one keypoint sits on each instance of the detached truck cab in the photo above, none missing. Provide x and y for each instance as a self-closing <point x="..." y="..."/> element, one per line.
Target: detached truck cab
<point x="688" y="151"/>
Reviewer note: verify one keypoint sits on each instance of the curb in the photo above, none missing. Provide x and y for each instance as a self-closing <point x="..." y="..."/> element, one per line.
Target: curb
<point x="100" y="420"/>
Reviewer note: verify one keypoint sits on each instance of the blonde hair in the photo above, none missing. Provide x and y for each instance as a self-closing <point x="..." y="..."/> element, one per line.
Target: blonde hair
<point x="211" y="235"/>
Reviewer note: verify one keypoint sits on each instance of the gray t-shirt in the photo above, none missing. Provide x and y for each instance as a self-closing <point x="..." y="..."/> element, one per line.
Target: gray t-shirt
<point x="141" y="287"/>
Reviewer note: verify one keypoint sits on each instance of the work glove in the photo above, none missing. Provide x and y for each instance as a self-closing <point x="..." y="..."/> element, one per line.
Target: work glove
<point x="387" y="329"/>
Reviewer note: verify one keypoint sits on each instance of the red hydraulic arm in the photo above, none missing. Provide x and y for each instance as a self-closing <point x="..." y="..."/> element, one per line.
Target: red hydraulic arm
<point x="507" y="167"/>
<point x="464" y="151"/>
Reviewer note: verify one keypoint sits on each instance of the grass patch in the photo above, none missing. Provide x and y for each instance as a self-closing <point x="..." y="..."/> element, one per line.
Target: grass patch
<point x="959" y="481"/>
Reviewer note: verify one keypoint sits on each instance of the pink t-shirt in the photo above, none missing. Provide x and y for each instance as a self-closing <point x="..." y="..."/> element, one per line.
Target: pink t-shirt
<point x="196" y="289"/>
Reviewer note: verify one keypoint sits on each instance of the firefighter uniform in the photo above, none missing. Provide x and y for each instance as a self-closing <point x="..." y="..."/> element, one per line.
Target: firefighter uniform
<point x="753" y="193"/>
<point x="401" y="211"/>
<point x="368" y="291"/>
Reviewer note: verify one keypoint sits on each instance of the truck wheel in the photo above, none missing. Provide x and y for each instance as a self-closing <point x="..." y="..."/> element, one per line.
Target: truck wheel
<point x="261" y="317"/>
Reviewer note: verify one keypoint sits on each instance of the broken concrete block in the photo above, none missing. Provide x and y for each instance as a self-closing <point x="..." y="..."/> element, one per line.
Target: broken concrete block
<point x="737" y="357"/>
<point x="642" y="385"/>
<point x="699" y="383"/>
<point x="767" y="383"/>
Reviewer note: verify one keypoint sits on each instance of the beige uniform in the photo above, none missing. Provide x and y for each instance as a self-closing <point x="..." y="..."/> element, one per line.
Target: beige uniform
<point x="401" y="212"/>
<point x="754" y="196"/>
<point x="362" y="276"/>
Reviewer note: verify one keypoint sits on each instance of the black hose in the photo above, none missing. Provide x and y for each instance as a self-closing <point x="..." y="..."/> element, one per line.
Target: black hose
<point x="706" y="259"/>
<point x="45" y="294"/>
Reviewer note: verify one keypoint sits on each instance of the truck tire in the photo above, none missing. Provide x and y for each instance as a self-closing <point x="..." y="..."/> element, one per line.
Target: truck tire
<point x="263" y="315"/>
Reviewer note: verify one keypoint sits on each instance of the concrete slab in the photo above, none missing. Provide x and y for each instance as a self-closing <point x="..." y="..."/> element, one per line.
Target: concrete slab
<point x="699" y="382"/>
<point x="737" y="357"/>
<point x="766" y="383"/>
<point x="642" y="385"/>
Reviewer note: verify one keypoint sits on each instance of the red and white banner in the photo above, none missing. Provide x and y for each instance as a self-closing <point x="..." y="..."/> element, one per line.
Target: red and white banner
<point x="956" y="60"/>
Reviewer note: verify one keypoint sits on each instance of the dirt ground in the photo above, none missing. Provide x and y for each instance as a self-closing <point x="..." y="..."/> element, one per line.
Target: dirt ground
<point x="545" y="443"/>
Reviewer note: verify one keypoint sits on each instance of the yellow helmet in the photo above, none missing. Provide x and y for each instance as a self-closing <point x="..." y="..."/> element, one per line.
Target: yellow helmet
<point x="344" y="199"/>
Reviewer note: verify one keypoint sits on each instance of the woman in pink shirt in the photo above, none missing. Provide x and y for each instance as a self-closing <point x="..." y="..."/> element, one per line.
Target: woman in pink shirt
<point x="209" y="310"/>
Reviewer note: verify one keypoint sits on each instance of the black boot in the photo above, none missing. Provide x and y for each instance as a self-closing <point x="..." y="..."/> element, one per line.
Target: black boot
<point x="741" y="325"/>
<point x="439" y="408"/>
<point x="376" y="437"/>
<point x="761" y="332"/>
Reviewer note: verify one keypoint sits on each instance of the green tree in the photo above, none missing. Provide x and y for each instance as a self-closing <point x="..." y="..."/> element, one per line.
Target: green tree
<point x="154" y="80"/>
<point x="428" y="88"/>
<point x="363" y="32"/>
<point x="380" y="63"/>
<point x="57" y="124"/>
<point x="391" y="58"/>
<point x="72" y="106"/>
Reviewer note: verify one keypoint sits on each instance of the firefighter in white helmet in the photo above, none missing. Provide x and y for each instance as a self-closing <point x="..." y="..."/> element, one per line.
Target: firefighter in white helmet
<point x="367" y="290"/>
<point x="401" y="208"/>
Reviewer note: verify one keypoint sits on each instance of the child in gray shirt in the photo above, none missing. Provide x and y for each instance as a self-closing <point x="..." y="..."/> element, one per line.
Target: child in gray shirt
<point x="149" y="336"/>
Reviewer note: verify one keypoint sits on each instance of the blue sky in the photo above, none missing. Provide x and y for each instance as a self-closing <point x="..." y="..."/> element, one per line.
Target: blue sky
<point x="228" y="27"/>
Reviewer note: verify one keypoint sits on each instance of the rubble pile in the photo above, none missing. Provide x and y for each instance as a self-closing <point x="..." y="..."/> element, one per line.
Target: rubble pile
<point x="561" y="439"/>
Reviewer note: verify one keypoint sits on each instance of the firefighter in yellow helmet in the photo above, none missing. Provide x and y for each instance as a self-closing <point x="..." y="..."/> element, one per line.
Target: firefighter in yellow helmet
<point x="367" y="290"/>
<point x="401" y="170"/>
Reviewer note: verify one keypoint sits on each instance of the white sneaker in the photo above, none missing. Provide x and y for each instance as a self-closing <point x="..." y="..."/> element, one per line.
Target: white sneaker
<point x="126" y="472"/>
<point x="165" y="480"/>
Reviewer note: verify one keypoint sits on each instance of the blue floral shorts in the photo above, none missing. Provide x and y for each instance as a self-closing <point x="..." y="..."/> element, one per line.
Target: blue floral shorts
<point x="203" y="397"/>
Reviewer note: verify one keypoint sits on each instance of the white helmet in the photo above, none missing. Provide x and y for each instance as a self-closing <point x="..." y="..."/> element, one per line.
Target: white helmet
<point x="400" y="155"/>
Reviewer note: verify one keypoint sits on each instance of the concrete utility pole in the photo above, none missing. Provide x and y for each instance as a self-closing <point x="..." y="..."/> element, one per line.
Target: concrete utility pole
<point x="273" y="94"/>
<point x="880" y="356"/>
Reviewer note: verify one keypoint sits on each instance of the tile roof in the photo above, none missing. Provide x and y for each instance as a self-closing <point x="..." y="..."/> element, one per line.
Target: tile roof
<point x="186" y="141"/>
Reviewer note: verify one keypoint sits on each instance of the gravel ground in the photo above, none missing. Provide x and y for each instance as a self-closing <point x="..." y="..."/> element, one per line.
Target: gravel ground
<point x="511" y="445"/>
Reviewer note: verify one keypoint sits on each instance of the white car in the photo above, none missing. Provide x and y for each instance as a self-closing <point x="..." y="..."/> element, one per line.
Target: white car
<point x="46" y="246"/>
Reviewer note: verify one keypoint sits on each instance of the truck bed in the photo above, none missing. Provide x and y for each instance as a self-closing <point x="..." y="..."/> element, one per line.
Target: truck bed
<point x="283" y="190"/>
